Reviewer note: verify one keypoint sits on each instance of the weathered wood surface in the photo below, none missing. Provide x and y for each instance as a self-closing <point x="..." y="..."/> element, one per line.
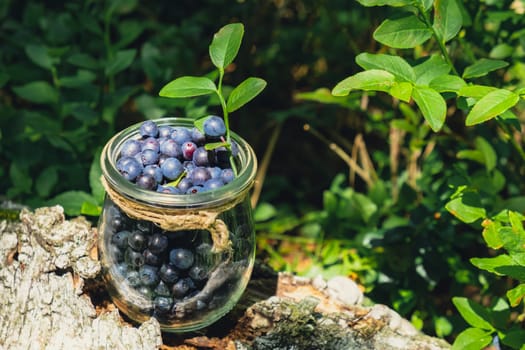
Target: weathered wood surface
<point x="51" y="298"/>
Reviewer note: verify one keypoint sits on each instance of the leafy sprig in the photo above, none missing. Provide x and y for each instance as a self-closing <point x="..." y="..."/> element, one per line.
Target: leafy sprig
<point x="222" y="51"/>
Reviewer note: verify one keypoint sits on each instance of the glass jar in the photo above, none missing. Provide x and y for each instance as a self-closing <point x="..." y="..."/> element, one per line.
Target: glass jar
<point x="211" y="234"/>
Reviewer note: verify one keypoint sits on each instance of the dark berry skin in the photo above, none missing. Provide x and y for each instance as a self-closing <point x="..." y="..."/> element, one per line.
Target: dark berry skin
<point x="212" y="184"/>
<point x="162" y="289"/>
<point x="129" y="168"/>
<point x="180" y="135"/>
<point x="146" y="291"/>
<point x="165" y="131"/>
<point x="181" y="288"/>
<point x="214" y="126"/>
<point x="227" y="175"/>
<point x="198" y="273"/>
<point x="146" y="182"/>
<point x="154" y="171"/>
<point x="151" y="143"/>
<point x="137" y="241"/>
<point x="200" y="175"/>
<point x="158" y="243"/>
<point x="152" y="259"/>
<point x="148" y="275"/>
<point x="171" y="168"/>
<point x="149" y="129"/>
<point x="116" y="252"/>
<point x="120" y="239"/>
<point x="133" y="258"/>
<point x="171" y="148"/>
<point x="130" y="148"/>
<point x="181" y="258"/>
<point x="149" y="156"/>
<point x="201" y="157"/>
<point x="197" y="137"/>
<point x="162" y="304"/>
<point x="168" y="273"/>
<point x="184" y="185"/>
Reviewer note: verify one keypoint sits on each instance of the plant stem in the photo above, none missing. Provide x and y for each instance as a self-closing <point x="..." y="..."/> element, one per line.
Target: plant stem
<point x="441" y="44"/>
<point x="226" y="120"/>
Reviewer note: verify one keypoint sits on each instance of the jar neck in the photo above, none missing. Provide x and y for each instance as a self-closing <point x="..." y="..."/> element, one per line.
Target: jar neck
<point x="239" y="187"/>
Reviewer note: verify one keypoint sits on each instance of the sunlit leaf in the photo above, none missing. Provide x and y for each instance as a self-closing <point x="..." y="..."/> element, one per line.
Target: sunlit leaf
<point x="447" y="19"/>
<point x="393" y="64"/>
<point x="245" y="92"/>
<point x="472" y="339"/>
<point x="432" y="106"/>
<point x="491" y="105"/>
<point x="475" y="314"/>
<point x="225" y="44"/>
<point x="188" y="87"/>
<point x="374" y="79"/>
<point x="402" y="33"/>
<point x="482" y="67"/>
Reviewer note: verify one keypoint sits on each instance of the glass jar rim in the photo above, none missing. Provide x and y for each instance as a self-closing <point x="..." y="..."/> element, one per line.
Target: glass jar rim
<point x="240" y="184"/>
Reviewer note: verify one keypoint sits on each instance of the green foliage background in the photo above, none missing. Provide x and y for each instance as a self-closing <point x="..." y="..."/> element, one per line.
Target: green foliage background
<point x="73" y="73"/>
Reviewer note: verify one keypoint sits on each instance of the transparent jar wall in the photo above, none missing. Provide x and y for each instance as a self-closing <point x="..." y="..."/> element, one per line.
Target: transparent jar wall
<point x="192" y="283"/>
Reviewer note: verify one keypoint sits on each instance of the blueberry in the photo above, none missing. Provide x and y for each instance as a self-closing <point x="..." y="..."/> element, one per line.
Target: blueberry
<point x="198" y="273"/>
<point x="184" y="185"/>
<point x="227" y="175"/>
<point x="212" y="184"/>
<point x="215" y="172"/>
<point x="129" y="168"/>
<point x="200" y="175"/>
<point x="165" y="131"/>
<point x="162" y="289"/>
<point x="168" y="189"/>
<point x="144" y="226"/>
<point x="187" y="150"/>
<point x="133" y="258"/>
<point x="201" y="157"/>
<point x="151" y="258"/>
<point x="137" y="241"/>
<point x="116" y="223"/>
<point x="148" y="275"/>
<point x="181" y="288"/>
<point x="168" y="273"/>
<point x="145" y="291"/>
<point x="181" y="258"/>
<point x="122" y="269"/>
<point x="195" y="189"/>
<point x="130" y="148"/>
<point x="180" y="135"/>
<point x="162" y="304"/>
<point x="162" y="158"/>
<point x="171" y="168"/>
<point x="151" y="143"/>
<point x="149" y="128"/>
<point x="158" y="243"/>
<point x="197" y="136"/>
<point x="154" y="171"/>
<point x="120" y="239"/>
<point x="149" y="156"/>
<point x="214" y="126"/>
<point x="171" y="148"/>
<point x="133" y="278"/>
<point x="146" y="182"/>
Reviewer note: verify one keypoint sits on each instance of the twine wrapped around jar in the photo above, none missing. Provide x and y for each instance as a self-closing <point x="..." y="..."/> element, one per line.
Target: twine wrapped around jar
<point x="178" y="219"/>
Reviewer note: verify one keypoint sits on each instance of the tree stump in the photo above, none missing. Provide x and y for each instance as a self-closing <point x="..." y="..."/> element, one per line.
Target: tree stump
<point x="51" y="298"/>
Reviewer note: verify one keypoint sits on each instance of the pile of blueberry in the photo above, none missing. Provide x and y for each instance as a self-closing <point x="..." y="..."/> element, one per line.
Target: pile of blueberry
<point x="173" y="159"/>
<point x="165" y="267"/>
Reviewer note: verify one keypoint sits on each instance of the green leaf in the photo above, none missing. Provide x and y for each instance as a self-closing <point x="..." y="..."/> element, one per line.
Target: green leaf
<point x="225" y="44"/>
<point x="491" y="234"/>
<point x="45" y="182"/>
<point x="473" y="313"/>
<point x="475" y="91"/>
<point x="483" y="67"/>
<point x="515" y="338"/>
<point x="72" y="201"/>
<point x="494" y="264"/>
<point x="365" y="207"/>
<point x="491" y="105"/>
<point x="373" y="79"/>
<point x="322" y="95"/>
<point x="402" y="91"/>
<point x="393" y="3"/>
<point x="90" y="209"/>
<point x="20" y="177"/>
<point x="83" y="60"/>
<point x="188" y="87"/>
<point x="122" y="60"/>
<point x="4" y="78"/>
<point x="244" y="93"/>
<point x="501" y="51"/>
<point x="393" y="64"/>
<point x="488" y="152"/>
<point x="472" y="339"/>
<point x="516" y="294"/>
<point x="264" y="211"/>
<point x="435" y="66"/>
<point x="213" y="145"/>
<point x="447" y="83"/>
<point x="432" y="106"/>
<point x="95" y="171"/>
<point x="82" y="78"/>
<point x="40" y="56"/>
<point x="37" y="92"/>
<point x="467" y="207"/>
<point x="403" y="33"/>
<point x="447" y="19"/>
